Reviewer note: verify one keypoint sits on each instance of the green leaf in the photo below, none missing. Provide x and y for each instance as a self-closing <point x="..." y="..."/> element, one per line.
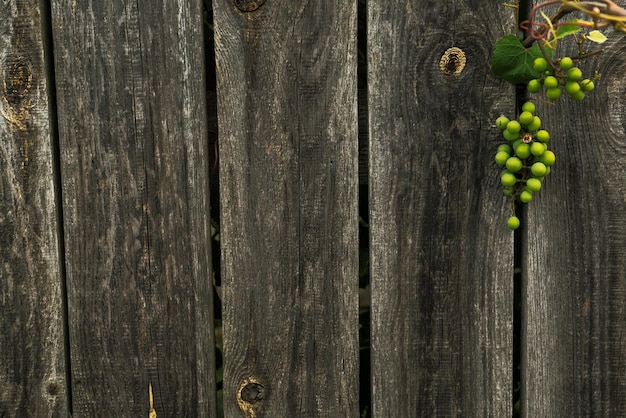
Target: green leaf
<point x="566" y="30"/>
<point x="596" y="36"/>
<point x="511" y="61"/>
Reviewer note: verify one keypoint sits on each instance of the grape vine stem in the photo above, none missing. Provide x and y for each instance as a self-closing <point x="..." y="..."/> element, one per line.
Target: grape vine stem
<point x="602" y="12"/>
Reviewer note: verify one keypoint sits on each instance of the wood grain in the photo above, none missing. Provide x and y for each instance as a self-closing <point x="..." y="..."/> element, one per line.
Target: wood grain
<point x="573" y="353"/>
<point x="134" y="154"/>
<point x="441" y="255"/>
<point x="287" y="111"/>
<point x="32" y="348"/>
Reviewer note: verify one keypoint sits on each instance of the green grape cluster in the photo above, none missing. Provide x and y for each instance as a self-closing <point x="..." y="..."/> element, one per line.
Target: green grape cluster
<point x="525" y="157"/>
<point x="555" y="79"/>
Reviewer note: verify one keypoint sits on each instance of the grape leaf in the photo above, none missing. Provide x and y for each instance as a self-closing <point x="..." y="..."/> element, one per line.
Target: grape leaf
<point x="596" y="36"/>
<point x="567" y="29"/>
<point x="511" y="61"/>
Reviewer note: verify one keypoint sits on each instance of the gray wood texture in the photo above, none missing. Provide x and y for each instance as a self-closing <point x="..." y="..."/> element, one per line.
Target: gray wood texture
<point x="574" y="261"/>
<point x="32" y="352"/>
<point x="134" y="154"/>
<point x="287" y="111"/>
<point x="441" y="255"/>
<point x="105" y="263"/>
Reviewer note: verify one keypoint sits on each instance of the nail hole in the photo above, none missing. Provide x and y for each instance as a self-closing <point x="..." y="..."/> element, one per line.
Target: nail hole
<point x="52" y="389"/>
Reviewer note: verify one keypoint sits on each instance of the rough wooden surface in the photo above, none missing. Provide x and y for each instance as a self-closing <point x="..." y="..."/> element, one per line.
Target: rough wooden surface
<point x="32" y="352"/>
<point x="441" y="255"/>
<point x="574" y="346"/>
<point x="213" y="137"/>
<point x="133" y="140"/>
<point x="287" y="99"/>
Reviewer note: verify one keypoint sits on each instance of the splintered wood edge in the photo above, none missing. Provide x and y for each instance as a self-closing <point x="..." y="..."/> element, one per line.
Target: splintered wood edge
<point x="152" y="413"/>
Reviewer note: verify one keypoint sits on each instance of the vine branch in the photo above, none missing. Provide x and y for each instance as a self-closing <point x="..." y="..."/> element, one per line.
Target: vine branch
<point x="602" y="12"/>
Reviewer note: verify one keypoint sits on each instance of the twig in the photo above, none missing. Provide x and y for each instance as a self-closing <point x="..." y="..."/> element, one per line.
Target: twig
<point x="603" y="12"/>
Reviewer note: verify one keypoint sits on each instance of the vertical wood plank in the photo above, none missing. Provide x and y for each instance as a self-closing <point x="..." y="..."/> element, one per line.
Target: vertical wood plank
<point x="132" y="125"/>
<point x="287" y="112"/>
<point x="441" y="255"/>
<point x="574" y="310"/>
<point x="32" y="351"/>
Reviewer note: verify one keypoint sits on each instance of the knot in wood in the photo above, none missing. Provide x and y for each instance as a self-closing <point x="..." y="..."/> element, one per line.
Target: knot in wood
<point x="17" y="80"/>
<point x="452" y="61"/>
<point x="251" y="392"/>
<point x="248" y="5"/>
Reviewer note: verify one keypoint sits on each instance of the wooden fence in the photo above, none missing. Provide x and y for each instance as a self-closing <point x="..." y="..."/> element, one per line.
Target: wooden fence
<point x="106" y="276"/>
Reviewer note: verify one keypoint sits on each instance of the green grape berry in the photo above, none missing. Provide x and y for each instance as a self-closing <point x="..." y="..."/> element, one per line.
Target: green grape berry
<point x="510" y="136"/>
<point x="502" y="157"/>
<point x="513" y="222"/>
<point x="547" y="158"/>
<point x="537" y="149"/>
<point x="513" y="126"/>
<point x="522" y="151"/>
<point x="574" y="74"/>
<point x="509" y="191"/>
<point x="505" y="148"/>
<point x="540" y="64"/>
<point x="535" y="125"/>
<point x="528" y="107"/>
<point x="533" y="184"/>
<point x="539" y="169"/>
<point x="501" y="122"/>
<point x="525" y="196"/>
<point x="586" y="85"/>
<point x="526" y="118"/>
<point x="551" y="82"/>
<point x="542" y="136"/>
<point x="534" y="86"/>
<point x="566" y="63"/>
<point x="514" y="164"/>
<point x="572" y="87"/>
<point x="578" y="96"/>
<point x="508" y="179"/>
<point x="553" y="93"/>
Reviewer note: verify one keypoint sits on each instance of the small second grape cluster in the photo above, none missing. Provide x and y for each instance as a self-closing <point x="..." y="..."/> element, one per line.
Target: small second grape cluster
<point x="525" y="157"/>
<point x="555" y="78"/>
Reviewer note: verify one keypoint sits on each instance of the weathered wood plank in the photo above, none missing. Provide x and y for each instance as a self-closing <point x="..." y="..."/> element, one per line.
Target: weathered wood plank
<point x="441" y="255"/>
<point x="133" y="138"/>
<point x="287" y="96"/>
<point x="362" y="104"/>
<point x="574" y="351"/>
<point x="32" y="348"/>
